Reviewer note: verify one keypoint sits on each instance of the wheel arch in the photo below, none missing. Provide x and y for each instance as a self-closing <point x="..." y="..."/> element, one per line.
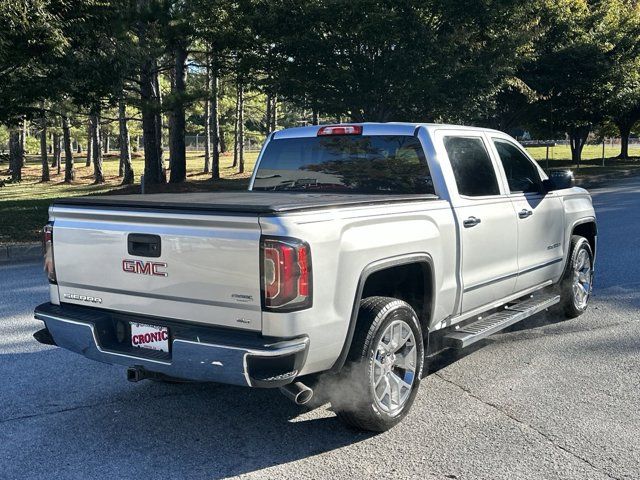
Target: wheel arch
<point x="588" y="229"/>
<point x="374" y="272"/>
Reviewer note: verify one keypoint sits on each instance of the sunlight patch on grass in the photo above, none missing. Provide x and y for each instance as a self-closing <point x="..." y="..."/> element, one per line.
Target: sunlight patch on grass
<point x="23" y="206"/>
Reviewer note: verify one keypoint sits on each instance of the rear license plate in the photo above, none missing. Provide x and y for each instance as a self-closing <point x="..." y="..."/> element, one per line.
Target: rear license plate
<point x="149" y="336"/>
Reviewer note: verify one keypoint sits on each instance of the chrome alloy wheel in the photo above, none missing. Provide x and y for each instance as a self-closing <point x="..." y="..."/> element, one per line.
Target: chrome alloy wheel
<point x="394" y="367"/>
<point x="582" y="275"/>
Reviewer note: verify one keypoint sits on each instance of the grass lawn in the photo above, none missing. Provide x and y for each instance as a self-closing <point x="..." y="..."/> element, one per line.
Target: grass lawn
<point x="23" y="207"/>
<point x="560" y="157"/>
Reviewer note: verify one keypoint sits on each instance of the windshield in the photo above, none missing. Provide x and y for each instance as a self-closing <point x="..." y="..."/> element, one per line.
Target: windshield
<point x="345" y="164"/>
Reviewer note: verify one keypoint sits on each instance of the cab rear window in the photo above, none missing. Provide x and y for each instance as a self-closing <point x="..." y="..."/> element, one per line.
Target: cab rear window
<point x="385" y="164"/>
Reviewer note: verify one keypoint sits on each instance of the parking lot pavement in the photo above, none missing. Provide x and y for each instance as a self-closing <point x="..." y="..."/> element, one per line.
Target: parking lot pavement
<point x="546" y="399"/>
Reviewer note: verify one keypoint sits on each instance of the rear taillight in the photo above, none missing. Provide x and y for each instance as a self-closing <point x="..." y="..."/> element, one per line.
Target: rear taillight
<point x="47" y="249"/>
<point x="340" y="130"/>
<point x="286" y="274"/>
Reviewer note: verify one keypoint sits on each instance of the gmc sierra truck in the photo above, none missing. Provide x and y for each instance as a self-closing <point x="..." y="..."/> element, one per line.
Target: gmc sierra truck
<point x="357" y="253"/>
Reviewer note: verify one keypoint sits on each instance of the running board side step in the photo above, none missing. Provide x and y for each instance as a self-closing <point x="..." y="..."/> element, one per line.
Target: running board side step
<point x="513" y="313"/>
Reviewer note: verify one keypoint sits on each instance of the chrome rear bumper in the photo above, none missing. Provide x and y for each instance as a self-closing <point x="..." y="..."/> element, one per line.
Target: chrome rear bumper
<point x="195" y="354"/>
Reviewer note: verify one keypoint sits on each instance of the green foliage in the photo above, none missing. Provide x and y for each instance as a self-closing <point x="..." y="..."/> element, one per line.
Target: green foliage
<point x="546" y="66"/>
<point x="623" y="104"/>
<point x="578" y="59"/>
<point x="393" y="60"/>
<point x="31" y="42"/>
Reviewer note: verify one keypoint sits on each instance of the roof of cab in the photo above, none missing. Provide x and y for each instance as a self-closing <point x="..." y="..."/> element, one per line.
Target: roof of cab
<point x="373" y="128"/>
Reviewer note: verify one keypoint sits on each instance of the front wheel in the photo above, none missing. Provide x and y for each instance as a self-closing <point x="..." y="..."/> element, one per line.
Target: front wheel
<point x="385" y="363"/>
<point x="577" y="282"/>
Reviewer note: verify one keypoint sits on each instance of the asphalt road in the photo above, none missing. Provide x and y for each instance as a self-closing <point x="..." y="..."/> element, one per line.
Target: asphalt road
<point x="547" y="399"/>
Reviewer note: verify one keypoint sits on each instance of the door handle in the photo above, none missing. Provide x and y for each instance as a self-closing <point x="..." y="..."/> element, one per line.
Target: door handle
<point x="524" y="213"/>
<point x="143" y="245"/>
<point x="471" y="222"/>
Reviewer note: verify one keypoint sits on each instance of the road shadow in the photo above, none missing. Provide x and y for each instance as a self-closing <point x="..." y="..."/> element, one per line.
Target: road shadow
<point x="541" y="324"/>
<point x="90" y="422"/>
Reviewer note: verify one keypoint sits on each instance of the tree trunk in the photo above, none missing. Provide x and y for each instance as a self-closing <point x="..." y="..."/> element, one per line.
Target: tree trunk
<point x="177" y="147"/>
<point x="214" y="123"/>
<point x="125" y="147"/>
<point x="150" y="106"/>
<point x="207" y="137"/>
<point x="52" y="149"/>
<point x="236" y="126"/>
<point x="314" y="116"/>
<point x="69" y="173"/>
<point x="150" y="129"/>
<point x="241" y="128"/>
<point x="97" y="149"/>
<point x="89" y="141"/>
<point x="106" y="143"/>
<point x="268" y="114"/>
<point x="224" y="148"/>
<point x="274" y="113"/>
<point x="159" y="123"/>
<point x="625" y="132"/>
<point x="43" y="148"/>
<point x="577" y="139"/>
<point x="78" y="146"/>
<point x="207" y="118"/>
<point x="23" y="144"/>
<point x="57" y="151"/>
<point x="15" y="162"/>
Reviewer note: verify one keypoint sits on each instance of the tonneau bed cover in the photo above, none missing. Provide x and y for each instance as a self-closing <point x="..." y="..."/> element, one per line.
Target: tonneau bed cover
<point x="238" y="202"/>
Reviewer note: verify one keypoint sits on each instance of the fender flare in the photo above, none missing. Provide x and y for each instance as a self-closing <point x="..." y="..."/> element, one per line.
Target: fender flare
<point x="580" y="221"/>
<point x="373" y="267"/>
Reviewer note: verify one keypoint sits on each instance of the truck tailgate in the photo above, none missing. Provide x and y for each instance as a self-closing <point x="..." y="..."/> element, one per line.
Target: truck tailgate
<point x="207" y="270"/>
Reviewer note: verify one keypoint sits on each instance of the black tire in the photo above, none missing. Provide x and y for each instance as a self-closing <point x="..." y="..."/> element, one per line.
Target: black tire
<point x="568" y="302"/>
<point x="354" y="401"/>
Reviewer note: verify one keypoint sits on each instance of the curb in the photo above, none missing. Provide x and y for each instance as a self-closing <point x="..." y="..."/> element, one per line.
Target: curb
<point x="20" y="252"/>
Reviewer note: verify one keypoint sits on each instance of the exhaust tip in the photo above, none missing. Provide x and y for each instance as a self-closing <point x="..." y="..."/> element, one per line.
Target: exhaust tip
<point x="304" y="397"/>
<point x="297" y="392"/>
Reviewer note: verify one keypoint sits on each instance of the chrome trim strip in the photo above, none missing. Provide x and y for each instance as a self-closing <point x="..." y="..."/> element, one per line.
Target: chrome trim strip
<point x="490" y="282"/>
<point x="537" y="267"/>
<point x="511" y="275"/>
<point x="239" y="306"/>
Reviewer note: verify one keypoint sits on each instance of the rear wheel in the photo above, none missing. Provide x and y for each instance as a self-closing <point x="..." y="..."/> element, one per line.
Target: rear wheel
<point x="381" y="378"/>
<point x="577" y="281"/>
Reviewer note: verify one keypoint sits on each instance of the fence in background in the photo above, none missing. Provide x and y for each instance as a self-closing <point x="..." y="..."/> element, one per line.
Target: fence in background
<point x="195" y="143"/>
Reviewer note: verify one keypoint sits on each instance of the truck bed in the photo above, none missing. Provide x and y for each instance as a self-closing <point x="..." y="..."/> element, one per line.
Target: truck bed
<point x="248" y="202"/>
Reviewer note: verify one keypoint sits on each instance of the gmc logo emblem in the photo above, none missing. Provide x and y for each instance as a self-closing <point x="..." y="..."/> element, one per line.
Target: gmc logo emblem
<point x="144" y="268"/>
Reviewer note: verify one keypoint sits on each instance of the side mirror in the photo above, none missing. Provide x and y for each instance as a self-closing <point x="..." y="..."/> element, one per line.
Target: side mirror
<point x="559" y="180"/>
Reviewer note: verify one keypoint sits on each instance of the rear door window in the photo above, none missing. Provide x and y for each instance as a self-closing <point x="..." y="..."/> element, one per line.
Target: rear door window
<point x="385" y="164"/>
<point x="472" y="166"/>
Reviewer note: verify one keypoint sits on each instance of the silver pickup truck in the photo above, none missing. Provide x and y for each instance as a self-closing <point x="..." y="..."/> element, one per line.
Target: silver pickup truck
<point x="358" y="252"/>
